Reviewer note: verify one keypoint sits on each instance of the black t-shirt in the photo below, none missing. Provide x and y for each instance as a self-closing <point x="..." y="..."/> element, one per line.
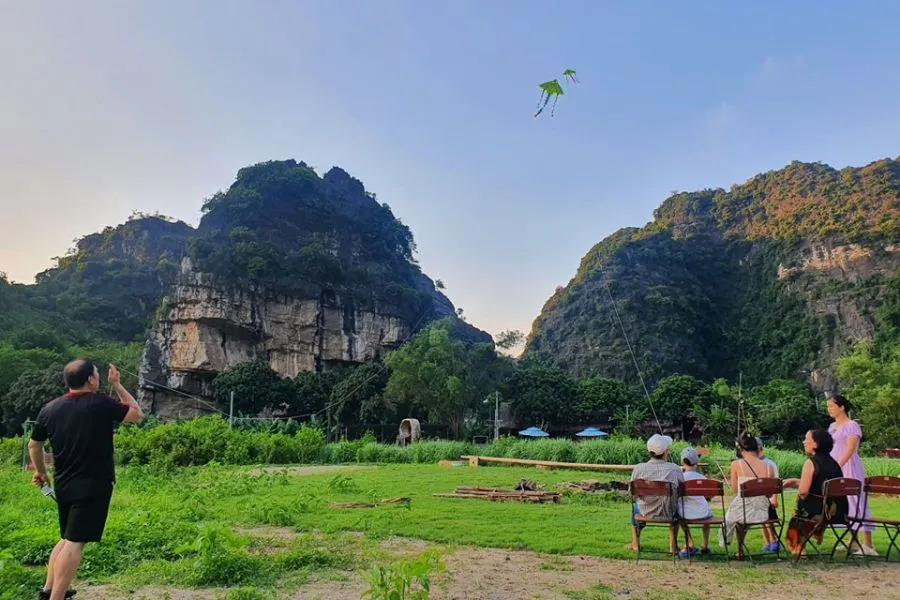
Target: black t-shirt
<point x="80" y="429"/>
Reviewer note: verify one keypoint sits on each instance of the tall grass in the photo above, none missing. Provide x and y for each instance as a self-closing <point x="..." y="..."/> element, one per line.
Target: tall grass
<point x="209" y="439"/>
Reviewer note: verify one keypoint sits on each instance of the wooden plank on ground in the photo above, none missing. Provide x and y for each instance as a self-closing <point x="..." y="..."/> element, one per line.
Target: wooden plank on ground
<point x="549" y="464"/>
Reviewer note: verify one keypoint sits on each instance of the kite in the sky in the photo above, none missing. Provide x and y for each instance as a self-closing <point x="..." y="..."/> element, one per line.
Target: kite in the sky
<point x="553" y="89"/>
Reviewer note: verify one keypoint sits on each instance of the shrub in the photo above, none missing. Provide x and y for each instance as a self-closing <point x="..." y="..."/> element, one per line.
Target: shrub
<point x="11" y="451"/>
<point x="206" y="440"/>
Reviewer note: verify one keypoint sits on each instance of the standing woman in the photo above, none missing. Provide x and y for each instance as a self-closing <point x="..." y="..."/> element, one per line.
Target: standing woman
<point x="847" y="435"/>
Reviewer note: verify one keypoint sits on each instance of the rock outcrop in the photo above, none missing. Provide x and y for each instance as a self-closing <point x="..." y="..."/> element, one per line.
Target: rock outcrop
<point x="300" y="271"/>
<point x="205" y="327"/>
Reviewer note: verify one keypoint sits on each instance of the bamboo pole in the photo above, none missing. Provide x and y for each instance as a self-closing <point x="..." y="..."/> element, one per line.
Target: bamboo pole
<point x="475" y="460"/>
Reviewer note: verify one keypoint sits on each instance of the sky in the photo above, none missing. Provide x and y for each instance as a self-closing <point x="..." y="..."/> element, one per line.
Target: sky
<point x="111" y="107"/>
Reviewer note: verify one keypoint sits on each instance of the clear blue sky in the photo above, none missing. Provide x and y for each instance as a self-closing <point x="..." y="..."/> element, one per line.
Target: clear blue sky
<point x="110" y="107"/>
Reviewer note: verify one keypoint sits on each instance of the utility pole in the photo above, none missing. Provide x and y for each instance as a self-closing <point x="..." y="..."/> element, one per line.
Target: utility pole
<point x="231" y="411"/>
<point x="328" y="423"/>
<point x="27" y="430"/>
<point x="496" y="416"/>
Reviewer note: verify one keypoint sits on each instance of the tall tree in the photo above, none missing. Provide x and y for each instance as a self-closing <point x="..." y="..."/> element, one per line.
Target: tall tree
<point x="444" y="376"/>
<point x="600" y="397"/>
<point x="542" y="394"/>
<point x="255" y="386"/>
<point x="873" y="385"/>
<point x="785" y="409"/>
<point x="676" y="398"/>
<point x="28" y="393"/>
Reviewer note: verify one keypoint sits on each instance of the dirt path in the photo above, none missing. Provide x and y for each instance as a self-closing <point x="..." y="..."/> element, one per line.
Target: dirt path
<point x="491" y="574"/>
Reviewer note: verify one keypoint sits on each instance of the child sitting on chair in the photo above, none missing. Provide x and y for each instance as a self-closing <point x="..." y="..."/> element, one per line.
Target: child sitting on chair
<point x="769" y="531"/>
<point x="693" y="507"/>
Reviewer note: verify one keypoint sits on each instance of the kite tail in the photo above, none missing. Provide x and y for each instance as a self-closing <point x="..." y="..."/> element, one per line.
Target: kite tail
<point x="546" y="98"/>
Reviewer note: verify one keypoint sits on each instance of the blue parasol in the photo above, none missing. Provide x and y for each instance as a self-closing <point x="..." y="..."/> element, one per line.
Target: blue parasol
<point x="534" y="432"/>
<point x="591" y="432"/>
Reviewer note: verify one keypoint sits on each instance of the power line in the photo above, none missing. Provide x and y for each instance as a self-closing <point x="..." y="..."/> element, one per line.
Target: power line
<point x="180" y="392"/>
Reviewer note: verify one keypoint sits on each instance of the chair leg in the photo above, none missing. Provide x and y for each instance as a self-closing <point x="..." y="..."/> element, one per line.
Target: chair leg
<point x="840" y="539"/>
<point x="779" y="539"/>
<point x="637" y="537"/>
<point x="725" y="539"/>
<point x="892" y="541"/>
<point x="740" y="534"/>
<point x="804" y="542"/>
<point x="673" y="542"/>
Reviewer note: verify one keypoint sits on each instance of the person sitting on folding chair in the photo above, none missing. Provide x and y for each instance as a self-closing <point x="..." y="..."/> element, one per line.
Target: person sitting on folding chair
<point x="769" y="531"/>
<point x="658" y="468"/>
<point x="818" y="468"/>
<point x="694" y="507"/>
<point x="751" y="510"/>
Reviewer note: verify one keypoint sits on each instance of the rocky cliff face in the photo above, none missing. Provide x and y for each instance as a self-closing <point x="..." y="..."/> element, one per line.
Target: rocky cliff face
<point x="204" y="327"/>
<point x="776" y="277"/>
<point x="843" y="284"/>
<point x="301" y="271"/>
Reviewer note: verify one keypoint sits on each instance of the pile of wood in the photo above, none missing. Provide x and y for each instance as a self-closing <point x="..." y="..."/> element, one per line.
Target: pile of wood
<point x="501" y="495"/>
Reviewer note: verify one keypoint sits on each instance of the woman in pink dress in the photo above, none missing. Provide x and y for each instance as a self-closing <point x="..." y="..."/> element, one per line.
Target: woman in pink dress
<point x="847" y="435"/>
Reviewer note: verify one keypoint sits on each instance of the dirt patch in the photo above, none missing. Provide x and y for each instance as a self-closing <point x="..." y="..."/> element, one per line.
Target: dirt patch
<point x="488" y="574"/>
<point x="492" y="574"/>
<point x="309" y="469"/>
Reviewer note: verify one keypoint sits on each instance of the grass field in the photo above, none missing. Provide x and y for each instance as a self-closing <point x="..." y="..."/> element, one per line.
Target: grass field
<point x="274" y="529"/>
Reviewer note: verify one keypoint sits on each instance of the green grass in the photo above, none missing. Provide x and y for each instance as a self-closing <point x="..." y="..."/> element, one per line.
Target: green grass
<point x="200" y="526"/>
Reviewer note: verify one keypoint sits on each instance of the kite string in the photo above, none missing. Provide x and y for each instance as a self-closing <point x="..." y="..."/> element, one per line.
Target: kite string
<point x="631" y="351"/>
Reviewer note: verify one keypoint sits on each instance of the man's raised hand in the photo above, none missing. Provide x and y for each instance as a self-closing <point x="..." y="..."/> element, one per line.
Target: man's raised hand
<point x="113" y="376"/>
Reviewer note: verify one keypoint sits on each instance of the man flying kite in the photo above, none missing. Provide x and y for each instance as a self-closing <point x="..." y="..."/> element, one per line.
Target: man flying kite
<point x="553" y="89"/>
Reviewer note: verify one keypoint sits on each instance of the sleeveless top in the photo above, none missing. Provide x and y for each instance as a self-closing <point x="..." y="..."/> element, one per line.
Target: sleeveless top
<point x="742" y="478"/>
<point x="824" y="468"/>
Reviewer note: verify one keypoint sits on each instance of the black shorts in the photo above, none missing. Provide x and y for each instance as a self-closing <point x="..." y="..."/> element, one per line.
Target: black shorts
<point x="84" y="520"/>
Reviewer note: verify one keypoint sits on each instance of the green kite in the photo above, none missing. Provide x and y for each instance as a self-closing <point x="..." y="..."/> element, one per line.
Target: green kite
<point x="553" y="89"/>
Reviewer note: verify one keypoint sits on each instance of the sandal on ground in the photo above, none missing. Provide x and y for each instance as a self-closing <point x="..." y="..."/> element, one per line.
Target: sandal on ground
<point x="45" y="594"/>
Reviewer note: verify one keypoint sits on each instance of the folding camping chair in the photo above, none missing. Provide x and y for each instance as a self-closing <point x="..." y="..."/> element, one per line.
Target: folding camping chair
<point x="753" y="488"/>
<point x="885" y="485"/>
<point x="709" y="489"/>
<point x="642" y="488"/>
<point x="839" y="487"/>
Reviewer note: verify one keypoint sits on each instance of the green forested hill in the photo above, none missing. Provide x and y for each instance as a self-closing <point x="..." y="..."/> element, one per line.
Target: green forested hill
<point x="279" y="227"/>
<point x="699" y="290"/>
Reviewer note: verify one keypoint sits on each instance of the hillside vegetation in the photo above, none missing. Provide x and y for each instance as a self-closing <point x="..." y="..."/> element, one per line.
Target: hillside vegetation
<point x="699" y="290"/>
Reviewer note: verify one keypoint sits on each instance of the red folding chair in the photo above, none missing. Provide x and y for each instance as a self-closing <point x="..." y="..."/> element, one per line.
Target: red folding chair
<point x="839" y="487"/>
<point x="754" y="488"/>
<point x="642" y="488"/>
<point x="709" y="489"/>
<point x="883" y="485"/>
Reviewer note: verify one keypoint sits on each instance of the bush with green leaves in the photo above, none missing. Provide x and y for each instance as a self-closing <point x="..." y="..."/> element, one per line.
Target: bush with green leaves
<point x="11" y="451"/>
<point x="407" y="579"/>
